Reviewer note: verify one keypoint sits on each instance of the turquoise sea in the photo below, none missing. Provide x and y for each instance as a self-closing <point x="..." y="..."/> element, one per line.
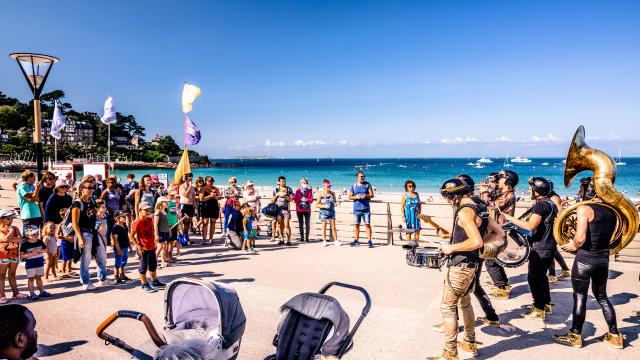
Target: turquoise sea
<point x="390" y="174"/>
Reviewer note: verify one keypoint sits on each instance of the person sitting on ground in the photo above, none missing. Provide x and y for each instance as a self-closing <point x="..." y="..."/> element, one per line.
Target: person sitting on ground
<point x="142" y="236"/>
<point x="32" y="252"/>
<point x="18" y="335"/>
<point x="10" y="239"/>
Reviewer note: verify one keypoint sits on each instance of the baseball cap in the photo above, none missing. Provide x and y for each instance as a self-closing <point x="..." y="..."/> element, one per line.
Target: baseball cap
<point x="327" y="183"/>
<point x="120" y="213"/>
<point x="250" y="183"/>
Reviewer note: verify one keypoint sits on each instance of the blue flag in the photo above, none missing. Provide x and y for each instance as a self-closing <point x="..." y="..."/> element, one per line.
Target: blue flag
<point x="192" y="132"/>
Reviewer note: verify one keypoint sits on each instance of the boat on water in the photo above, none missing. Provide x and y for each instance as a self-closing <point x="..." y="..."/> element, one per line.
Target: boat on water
<point x="471" y="164"/>
<point x="618" y="162"/>
<point x="484" y="160"/>
<point x="479" y="166"/>
<point x="520" y="159"/>
<point x="544" y="164"/>
<point x="506" y="162"/>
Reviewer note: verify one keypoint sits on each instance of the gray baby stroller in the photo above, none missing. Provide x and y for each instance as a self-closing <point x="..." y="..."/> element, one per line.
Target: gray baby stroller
<point x="194" y="309"/>
<point x="315" y="323"/>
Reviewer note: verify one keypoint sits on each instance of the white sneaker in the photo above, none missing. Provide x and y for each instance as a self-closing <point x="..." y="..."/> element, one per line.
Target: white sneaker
<point x="244" y="251"/>
<point x="89" y="286"/>
<point x="107" y="282"/>
<point x="337" y="243"/>
<point x="324" y="243"/>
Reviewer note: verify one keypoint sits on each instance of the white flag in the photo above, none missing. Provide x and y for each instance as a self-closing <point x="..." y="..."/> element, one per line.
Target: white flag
<point x="189" y="95"/>
<point x="57" y="123"/>
<point x="109" y="112"/>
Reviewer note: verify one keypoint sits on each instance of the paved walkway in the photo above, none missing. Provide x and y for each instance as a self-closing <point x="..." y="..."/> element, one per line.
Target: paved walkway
<point x="405" y="305"/>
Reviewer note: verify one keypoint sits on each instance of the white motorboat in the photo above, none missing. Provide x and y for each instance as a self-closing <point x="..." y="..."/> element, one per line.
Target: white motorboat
<point x="484" y="160"/>
<point x="520" y="159"/>
<point x="545" y="164"/>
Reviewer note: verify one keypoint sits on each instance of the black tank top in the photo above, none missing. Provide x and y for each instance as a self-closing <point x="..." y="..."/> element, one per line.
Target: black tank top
<point x="460" y="235"/>
<point x="599" y="231"/>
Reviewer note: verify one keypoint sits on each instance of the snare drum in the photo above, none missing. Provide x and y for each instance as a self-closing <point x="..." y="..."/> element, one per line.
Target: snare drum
<point x="429" y="258"/>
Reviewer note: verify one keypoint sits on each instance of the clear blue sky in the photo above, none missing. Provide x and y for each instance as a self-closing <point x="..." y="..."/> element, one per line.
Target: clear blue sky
<point x="348" y="78"/>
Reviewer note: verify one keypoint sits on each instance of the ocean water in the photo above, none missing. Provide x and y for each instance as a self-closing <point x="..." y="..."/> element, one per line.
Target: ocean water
<point x="390" y="174"/>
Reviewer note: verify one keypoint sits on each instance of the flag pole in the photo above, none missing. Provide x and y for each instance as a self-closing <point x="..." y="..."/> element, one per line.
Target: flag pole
<point x="109" y="145"/>
<point x="55" y="151"/>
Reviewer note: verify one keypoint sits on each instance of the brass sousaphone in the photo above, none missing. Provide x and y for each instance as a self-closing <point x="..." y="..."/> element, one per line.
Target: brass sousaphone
<point x="582" y="157"/>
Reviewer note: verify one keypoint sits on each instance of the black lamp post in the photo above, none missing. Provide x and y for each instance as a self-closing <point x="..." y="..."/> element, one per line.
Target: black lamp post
<point x="36" y="68"/>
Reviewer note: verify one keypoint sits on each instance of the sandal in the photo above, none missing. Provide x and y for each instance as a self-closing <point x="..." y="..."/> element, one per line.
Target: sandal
<point x="20" y="296"/>
<point x="33" y="297"/>
<point x="45" y="294"/>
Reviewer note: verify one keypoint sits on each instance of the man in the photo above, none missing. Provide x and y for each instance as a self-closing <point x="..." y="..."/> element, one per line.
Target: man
<point x="48" y="182"/>
<point x="462" y="263"/>
<point x="543" y="245"/>
<point x="18" y="336"/>
<point x="553" y="196"/>
<point x="504" y="199"/>
<point x="187" y="201"/>
<point x="28" y="200"/>
<point x="594" y="229"/>
<point x="282" y="197"/>
<point x="361" y="193"/>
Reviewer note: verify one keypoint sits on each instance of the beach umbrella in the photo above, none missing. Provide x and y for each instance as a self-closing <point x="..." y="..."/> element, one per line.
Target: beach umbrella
<point x="109" y="118"/>
<point x="57" y="124"/>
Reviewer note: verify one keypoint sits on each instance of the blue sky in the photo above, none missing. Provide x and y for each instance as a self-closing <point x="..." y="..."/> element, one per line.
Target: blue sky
<point x="348" y="78"/>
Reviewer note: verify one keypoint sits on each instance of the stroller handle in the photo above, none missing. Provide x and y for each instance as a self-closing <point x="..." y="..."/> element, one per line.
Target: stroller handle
<point x="128" y="314"/>
<point x="364" y="292"/>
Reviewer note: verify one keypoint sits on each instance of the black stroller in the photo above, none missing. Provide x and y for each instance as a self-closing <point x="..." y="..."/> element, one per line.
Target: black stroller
<point x="194" y="309"/>
<point x="314" y="323"/>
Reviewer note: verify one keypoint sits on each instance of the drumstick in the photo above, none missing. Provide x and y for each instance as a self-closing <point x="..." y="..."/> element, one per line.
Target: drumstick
<point x="435" y="225"/>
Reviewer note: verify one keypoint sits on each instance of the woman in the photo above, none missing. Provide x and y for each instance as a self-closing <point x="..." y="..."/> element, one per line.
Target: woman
<point x="303" y="197"/>
<point x="326" y="202"/>
<point x="111" y="197"/>
<point x="145" y="193"/>
<point x="232" y="195"/>
<point x="187" y="201"/>
<point x="10" y="240"/>
<point x="209" y="196"/>
<point x="162" y="230"/>
<point x="411" y="208"/>
<point x="197" y="227"/>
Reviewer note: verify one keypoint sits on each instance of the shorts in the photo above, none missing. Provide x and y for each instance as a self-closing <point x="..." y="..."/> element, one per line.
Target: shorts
<point x="33" y="272"/>
<point x="285" y="214"/>
<point x="174" y="234"/>
<point x="327" y="216"/>
<point x="9" y="260"/>
<point x="148" y="261"/>
<point x="121" y="261"/>
<point x="361" y="216"/>
<point x="210" y="210"/>
<point x="164" y="236"/>
<point x="66" y="250"/>
<point x="245" y="235"/>
<point x="187" y="210"/>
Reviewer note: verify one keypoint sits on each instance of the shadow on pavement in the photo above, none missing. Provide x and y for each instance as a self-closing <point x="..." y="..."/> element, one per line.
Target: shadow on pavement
<point x="57" y="349"/>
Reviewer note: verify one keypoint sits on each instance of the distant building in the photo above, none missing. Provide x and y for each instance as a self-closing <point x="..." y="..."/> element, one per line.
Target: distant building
<point x="125" y="143"/>
<point x="74" y="133"/>
<point x="4" y="137"/>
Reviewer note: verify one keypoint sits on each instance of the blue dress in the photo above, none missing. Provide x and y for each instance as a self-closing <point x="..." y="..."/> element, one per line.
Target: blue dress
<point x="411" y="211"/>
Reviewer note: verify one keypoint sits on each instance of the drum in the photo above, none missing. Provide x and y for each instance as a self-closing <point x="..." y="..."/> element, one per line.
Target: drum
<point x="517" y="248"/>
<point x="429" y="258"/>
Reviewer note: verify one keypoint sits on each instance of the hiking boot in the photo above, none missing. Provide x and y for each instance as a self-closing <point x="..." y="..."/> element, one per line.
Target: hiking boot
<point x="548" y="308"/>
<point x="485" y="321"/>
<point x="615" y="340"/>
<point x="564" y="274"/>
<point x="438" y="328"/>
<point x="535" y="314"/>
<point x="500" y="294"/>
<point x="158" y="284"/>
<point x="469" y="347"/>
<point x="148" y="289"/>
<point x="569" y="339"/>
<point x="370" y="244"/>
<point x="446" y="355"/>
<point x="355" y="243"/>
<point x="553" y="279"/>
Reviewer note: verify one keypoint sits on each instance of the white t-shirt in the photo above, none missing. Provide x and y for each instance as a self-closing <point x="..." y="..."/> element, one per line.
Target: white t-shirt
<point x="252" y="199"/>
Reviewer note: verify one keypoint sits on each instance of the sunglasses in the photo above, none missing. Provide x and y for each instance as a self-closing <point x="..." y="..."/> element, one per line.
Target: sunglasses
<point x="411" y="186"/>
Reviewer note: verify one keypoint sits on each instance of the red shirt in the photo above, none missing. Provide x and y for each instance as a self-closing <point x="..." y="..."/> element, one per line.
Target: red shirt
<point x="143" y="227"/>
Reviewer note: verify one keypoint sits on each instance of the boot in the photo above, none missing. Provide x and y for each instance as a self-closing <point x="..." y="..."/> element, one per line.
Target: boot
<point x="553" y="279"/>
<point x="468" y="346"/>
<point x="564" y="274"/>
<point x="615" y="340"/>
<point x="446" y="355"/>
<point x="535" y="313"/>
<point x="569" y="339"/>
<point x="484" y="321"/>
<point x="500" y="294"/>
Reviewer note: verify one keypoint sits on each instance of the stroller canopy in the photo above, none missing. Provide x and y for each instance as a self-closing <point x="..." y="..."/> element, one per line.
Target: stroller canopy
<point x="212" y="306"/>
<point x="320" y="306"/>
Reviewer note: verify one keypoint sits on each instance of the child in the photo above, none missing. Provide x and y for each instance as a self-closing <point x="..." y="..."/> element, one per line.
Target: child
<point x="142" y="236"/>
<point x="247" y="227"/>
<point x="162" y="230"/>
<point x="254" y="230"/>
<point x="10" y="239"/>
<point x="32" y="251"/>
<point x="173" y="214"/>
<point x="53" y="251"/>
<point x="66" y="254"/>
<point x="121" y="244"/>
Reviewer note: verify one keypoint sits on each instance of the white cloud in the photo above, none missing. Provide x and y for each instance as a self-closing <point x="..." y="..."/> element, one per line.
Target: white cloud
<point x="269" y="143"/>
<point x="426" y="142"/>
<point x="460" y="140"/>
<point x="548" y="138"/>
<point x="613" y="137"/>
<point x="503" y="139"/>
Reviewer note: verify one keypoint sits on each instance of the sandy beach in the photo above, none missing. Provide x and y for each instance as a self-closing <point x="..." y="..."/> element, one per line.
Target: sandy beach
<point x="405" y="299"/>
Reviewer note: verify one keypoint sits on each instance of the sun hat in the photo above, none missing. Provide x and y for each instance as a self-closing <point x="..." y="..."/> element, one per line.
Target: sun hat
<point x="144" y="206"/>
<point x="33" y="230"/>
<point x="162" y="199"/>
<point x="249" y="183"/>
<point x="60" y="183"/>
<point x="7" y="213"/>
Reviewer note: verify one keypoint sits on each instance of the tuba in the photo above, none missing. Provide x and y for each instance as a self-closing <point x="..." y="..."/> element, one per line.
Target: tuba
<point x="582" y="157"/>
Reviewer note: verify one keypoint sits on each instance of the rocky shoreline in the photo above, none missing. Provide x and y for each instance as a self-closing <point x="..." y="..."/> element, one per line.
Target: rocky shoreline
<point x="19" y="166"/>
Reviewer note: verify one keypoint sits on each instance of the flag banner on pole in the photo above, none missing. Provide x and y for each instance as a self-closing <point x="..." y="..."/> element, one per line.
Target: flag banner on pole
<point x="189" y="95"/>
<point x="183" y="167"/>
<point x="109" y="116"/>
<point x="191" y="132"/>
<point x="57" y="123"/>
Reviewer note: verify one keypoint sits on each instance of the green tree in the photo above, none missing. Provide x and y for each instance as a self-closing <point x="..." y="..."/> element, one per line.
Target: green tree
<point x="10" y="118"/>
<point x="167" y="145"/>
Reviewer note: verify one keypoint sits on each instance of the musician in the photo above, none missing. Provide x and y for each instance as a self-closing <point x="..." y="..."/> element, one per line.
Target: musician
<point x="565" y="273"/>
<point x="543" y="245"/>
<point x="463" y="258"/>
<point x="504" y="199"/>
<point x="487" y="191"/>
<point x="595" y="227"/>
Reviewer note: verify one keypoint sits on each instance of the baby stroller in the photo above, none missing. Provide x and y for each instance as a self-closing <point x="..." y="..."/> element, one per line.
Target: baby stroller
<point x="194" y="309"/>
<point x="315" y="323"/>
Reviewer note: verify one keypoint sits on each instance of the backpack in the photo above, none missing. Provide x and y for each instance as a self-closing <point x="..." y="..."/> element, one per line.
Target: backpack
<point x="67" y="223"/>
<point x="271" y="210"/>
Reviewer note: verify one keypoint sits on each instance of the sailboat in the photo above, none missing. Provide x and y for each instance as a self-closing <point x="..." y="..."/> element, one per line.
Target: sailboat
<point x="618" y="162"/>
<point x="506" y="162"/>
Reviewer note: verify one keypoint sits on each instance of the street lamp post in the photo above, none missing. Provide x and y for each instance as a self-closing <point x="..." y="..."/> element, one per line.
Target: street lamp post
<point x="36" y="68"/>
